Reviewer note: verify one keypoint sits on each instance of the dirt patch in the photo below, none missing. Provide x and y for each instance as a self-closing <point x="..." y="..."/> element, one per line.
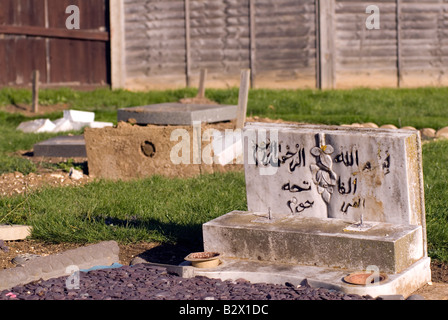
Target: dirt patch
<point x="121" y="152"/>
<point x="439" y="271"/>
<point x="150" y="251"/>
<point x="17" y="183"/>
<point x="197" y="100"/>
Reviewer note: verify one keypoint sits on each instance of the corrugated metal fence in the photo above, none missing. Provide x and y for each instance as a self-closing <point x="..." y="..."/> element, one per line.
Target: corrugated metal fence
<point x="286" y="43"/>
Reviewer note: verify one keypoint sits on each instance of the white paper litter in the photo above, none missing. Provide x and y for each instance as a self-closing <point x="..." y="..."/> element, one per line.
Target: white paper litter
<point x="227" y="147"/>
<point x="73" y="120"/>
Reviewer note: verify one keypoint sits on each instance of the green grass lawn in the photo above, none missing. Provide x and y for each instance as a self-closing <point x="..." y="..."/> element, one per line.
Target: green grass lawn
<point x="171" y="210"/>
<point x="423" y="107"/>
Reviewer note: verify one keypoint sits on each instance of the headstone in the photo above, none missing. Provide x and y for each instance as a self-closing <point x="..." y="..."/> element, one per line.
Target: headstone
<point x="14" y="232"/>
<point x="36" y="126"/>
<point x="178" y="113"/>
<point x="335" y="198"/>
<point x="63" y="146"/>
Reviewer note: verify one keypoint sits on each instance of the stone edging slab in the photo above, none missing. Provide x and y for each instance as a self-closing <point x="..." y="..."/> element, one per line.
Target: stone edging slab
<point x="53" y="266"/>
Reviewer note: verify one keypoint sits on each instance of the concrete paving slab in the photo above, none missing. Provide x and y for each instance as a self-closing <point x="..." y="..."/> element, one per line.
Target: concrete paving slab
<point x="313" y="241"/>
<point x="178" y="113"/>
<point x="63" y="146"/>
<point x="404" y="283"/>
<point x="105" y="253"/>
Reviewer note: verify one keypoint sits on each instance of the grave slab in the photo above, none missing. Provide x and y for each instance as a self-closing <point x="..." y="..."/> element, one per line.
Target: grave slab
<point x="178" y="113"/>
<point x="313" y="241"/>
<point x="63" y="146"/>
<point x="404" y="283"/>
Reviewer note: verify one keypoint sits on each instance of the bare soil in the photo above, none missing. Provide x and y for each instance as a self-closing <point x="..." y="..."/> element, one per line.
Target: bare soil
<point x="119" y="152"/>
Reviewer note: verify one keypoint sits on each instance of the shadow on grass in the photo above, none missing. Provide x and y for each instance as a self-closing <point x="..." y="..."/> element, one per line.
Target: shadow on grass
<point x="183" y="240"/>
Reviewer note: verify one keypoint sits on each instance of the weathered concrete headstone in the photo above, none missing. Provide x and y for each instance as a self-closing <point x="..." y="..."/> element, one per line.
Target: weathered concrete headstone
<point x="63" y="146"/>
<point x="173" y="113"/>
<point x="334" y="198"/>
<point x="133" y="151"/>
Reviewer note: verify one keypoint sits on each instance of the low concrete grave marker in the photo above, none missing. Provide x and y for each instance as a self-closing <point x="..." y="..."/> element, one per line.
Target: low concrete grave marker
<point x="174" y="113"/>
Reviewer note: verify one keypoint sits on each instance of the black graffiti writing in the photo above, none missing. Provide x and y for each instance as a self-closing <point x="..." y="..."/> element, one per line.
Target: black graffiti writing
<point x="266" y="154"/>
<point x="348" y="158"/>
<point x="367" y="166"/>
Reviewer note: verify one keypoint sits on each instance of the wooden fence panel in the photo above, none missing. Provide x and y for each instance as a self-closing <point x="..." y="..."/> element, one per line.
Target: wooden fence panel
<point x="424" y="43"/>
<point x="79" y="61"/>
<point x="19" y="56"/>
<point x="409" y="50"/>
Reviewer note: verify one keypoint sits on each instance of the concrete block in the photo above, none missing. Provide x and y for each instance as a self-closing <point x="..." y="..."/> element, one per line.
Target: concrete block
<point x="63" y="146"/>
<point x="404" y="283"/>
<point x="313" y="241"/>
<point x="14" y="232"/>
<point x="54" y="266"/>
<point x="178" y="113"/>
<point x="100" y="124"/>
<point x="391" y="297"/>
<point x="227" y="147"/>
<point x="131" y="151"/>
<point x="335" y="172"/>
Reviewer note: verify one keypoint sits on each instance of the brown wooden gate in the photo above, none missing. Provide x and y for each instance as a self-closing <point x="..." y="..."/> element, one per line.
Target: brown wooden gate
<point x="34" y="36"/>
